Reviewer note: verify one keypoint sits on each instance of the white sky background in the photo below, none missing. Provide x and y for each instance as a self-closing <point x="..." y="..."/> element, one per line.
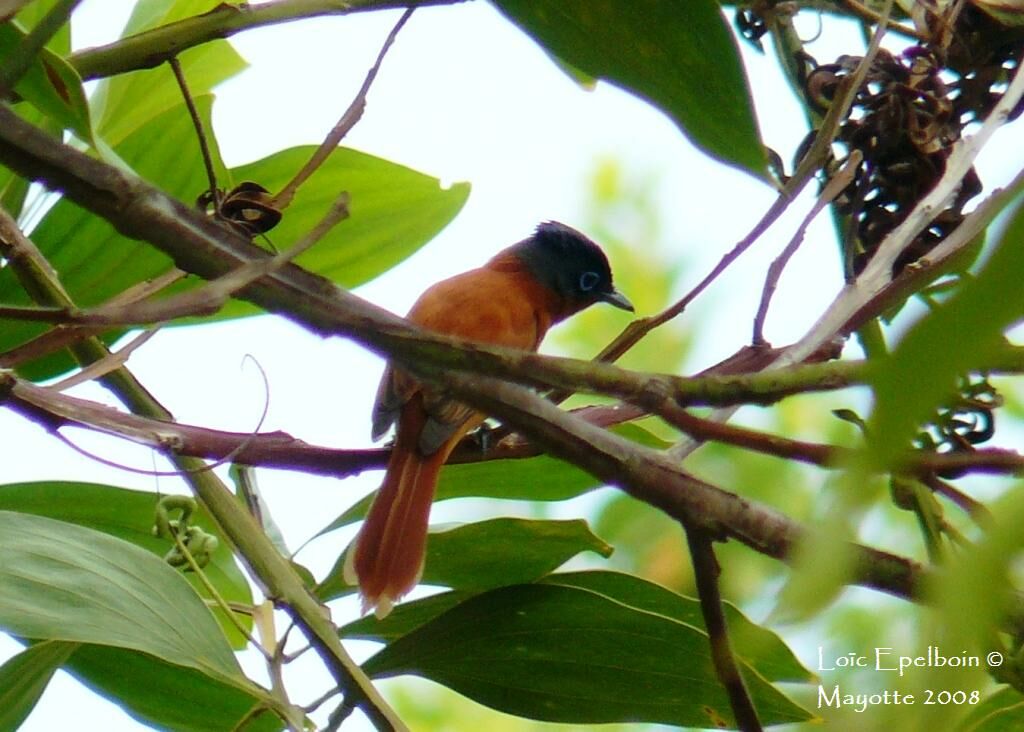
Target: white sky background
<point x="463" y="95"/>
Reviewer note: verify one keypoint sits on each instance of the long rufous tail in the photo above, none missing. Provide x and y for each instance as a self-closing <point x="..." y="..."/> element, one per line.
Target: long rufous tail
<point x="387" y="559"/>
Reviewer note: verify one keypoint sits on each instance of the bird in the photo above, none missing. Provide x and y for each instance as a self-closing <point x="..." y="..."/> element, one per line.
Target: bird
<point x="512" y="301"/>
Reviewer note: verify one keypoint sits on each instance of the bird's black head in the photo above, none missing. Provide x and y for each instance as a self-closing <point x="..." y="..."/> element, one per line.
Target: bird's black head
<point x="571" y="265"/>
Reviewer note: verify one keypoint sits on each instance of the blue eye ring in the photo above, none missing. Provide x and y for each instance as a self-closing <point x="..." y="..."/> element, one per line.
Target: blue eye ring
<point x="589" y="280"/>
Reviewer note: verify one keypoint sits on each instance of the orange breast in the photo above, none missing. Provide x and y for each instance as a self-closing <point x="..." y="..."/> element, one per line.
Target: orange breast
<point x="505" y="308"/>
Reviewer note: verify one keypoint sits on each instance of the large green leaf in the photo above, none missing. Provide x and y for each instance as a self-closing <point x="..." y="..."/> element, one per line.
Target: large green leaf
<point x="125" y="102"/>
<point x="64" y="582"/>
<point x="566" y="654"/>
<point x="153" y="691"/>
<point x="49" y="84"/>
<point x="680" y="57"/>
<point x="128" y="515"/>
<point x="394" y="210"/>
<point x="540" y="478"/>
<point x="167" y="696"/>
<point x="24" y="677"/>
<point x="758" y="647"/>
<point x="488" y="554"/>
<point x="957" y="336"/>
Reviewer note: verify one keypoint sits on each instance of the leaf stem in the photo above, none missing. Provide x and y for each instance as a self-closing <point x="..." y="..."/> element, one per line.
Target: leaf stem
<point x="706" y="572"/>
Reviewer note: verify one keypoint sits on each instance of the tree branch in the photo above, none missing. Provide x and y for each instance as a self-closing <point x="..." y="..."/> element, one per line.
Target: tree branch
<point x="153" y="47"/>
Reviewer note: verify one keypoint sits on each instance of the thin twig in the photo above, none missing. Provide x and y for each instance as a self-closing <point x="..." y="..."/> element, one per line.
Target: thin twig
<point x="107" y="364"/>
<point x="280" y="450"/>
<point x="61" y="337"/>
<point x="929" y="267"/>
<point x="347" y="121"/>
<point x="835" y="186"/>
<point x="321" y="700"/>
<point x="239" y="447"/>
<point x="197" y="123"/>
<point x="924" y="465"/>
<point x="706" y="572"/>
<point x="339" y="715"/>
<point x="836" y="114"/>
<point x="975" y="509"/>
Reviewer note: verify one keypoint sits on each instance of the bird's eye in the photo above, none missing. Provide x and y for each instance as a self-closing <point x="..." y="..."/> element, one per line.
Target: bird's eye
<point x="589" y="280"/>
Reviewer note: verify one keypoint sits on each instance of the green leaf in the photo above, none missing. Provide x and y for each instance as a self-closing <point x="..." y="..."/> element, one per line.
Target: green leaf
<point x="680" y="57"/>
<point x="540" y="478"/>
<point x="492" y="553"/>
<point x="64" y="582"/>
<point x="24" y="677"/>
<point x="50" y="85"/>
<point x="394" y="210"/>
<point x="149" y="14"/>
<point x="169" y="697"/>
<point x="753" y="644"/>
<point x="502" y="551"/>
<point x="564" y="654"/>
<point x="128" y="515"/>
<point x="126" y="102"/>
<point x="954" y="338"/>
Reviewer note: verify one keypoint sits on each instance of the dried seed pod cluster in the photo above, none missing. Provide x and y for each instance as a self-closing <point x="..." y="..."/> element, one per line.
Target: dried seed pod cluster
<point x="966" y="421"/>
<point x="905" y="118"/>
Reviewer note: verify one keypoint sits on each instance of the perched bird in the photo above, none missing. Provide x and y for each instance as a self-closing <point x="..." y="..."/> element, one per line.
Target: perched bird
<point x="511" y="301"/>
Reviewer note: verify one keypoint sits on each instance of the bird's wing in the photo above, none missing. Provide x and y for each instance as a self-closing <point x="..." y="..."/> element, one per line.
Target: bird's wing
<point x="481" y="305"/>
<point x="395" y="389"/>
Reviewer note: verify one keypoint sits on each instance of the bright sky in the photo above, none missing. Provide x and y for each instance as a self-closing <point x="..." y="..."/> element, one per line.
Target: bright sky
<point x="465" y="96"/>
